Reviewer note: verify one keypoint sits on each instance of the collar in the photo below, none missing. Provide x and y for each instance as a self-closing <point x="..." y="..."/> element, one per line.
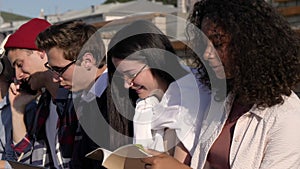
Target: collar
<point x="254" y="109"/>
<point x="97" y="89"/>
<point x="262" y="112"/>
<point x="4" y="102"/>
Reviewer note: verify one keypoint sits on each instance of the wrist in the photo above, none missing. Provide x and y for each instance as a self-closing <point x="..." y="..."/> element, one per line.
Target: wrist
<point x="18" y="111"/>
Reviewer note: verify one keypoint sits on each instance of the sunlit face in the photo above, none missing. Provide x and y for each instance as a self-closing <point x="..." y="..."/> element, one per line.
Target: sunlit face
<point x="69" y="75"/>
<point x="28" y="64"/>
<point x="137" y="76"/>
<point x="220" y="41"/>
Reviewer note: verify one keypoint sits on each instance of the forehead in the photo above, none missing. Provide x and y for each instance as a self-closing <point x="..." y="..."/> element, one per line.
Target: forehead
<point x="56" y="57"/>
<point x="18" y="54"/>
<point x="125" y="64"/>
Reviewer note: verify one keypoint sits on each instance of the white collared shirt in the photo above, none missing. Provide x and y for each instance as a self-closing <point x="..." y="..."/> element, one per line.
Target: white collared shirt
<point x="181" y="105"/>
<point x="97" y="89"/>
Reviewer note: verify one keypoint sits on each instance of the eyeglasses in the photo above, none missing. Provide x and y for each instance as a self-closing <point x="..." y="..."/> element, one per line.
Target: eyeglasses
<point x="130" y="78"/>
<point x="59" y="70"/>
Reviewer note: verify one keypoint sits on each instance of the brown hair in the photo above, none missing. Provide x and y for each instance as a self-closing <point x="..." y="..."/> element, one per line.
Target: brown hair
<point x="75" y="38"/>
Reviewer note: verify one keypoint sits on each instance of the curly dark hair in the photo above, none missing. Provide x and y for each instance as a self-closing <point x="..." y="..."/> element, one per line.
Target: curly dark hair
<point x="264" y="47"/>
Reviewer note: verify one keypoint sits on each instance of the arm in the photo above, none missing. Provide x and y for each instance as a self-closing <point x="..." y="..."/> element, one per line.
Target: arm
<point x="18" y="102"/>
<point x="283" y="148"/>
<point x="182" y="154"/>
<point x="142" y="121"/>
<point x="175" y="148"/>
<point x="162" y="161"/>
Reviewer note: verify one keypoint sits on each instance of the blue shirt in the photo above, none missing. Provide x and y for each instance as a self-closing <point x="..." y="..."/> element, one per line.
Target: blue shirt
<point x="6" y="151"/>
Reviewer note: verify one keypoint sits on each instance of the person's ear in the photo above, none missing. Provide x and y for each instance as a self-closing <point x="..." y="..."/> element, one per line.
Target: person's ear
<point x="88" y="61"/>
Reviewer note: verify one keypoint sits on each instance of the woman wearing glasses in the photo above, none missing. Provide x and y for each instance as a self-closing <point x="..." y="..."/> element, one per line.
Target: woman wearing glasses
<point x="259" y="128"/>
<point x="164" y="93"/>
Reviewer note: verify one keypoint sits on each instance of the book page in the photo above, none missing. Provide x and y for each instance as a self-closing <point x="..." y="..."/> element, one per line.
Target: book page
<point x="18" y="165"/>
<point x="99" y="154"/>
<point x="126" y="157"/>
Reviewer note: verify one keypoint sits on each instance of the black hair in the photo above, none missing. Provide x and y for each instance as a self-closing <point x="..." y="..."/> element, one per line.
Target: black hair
<point x="142" y="41"/>
<point x="264" y="47"/>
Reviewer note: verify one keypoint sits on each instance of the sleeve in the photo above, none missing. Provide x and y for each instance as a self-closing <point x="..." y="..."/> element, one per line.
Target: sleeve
<point x="23" y="146"/>
<point x="23" y="149"/>
<point x="283" y="147"/>
<point x="142" y="121"/>
<point x="35" y="153"/>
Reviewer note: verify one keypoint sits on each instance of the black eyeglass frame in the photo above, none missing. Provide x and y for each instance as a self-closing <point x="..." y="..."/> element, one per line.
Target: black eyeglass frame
<point x="59" y="71"/>
<point x="130" y="78"/>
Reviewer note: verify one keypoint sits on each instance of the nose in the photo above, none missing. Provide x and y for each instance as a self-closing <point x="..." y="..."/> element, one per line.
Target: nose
<point x="56" y="79"/>
<point x="127" y="85"/>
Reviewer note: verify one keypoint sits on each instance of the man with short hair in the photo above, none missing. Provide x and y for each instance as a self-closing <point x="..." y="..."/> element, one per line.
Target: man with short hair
<point x="76" y="56"/>
<point x="34" y="144"/>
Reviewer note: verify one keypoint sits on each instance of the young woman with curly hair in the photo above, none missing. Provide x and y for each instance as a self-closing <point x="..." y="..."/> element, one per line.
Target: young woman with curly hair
<point x="254" y="49"/>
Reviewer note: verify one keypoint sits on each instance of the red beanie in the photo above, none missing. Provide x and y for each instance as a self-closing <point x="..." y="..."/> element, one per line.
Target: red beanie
<point x="25" y="36"/>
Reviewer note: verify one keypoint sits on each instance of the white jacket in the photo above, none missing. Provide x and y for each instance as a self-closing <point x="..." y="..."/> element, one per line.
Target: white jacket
<point x="263" y="139"/>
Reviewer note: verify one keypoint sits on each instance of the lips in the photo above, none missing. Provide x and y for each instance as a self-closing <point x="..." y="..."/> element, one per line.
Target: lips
<point x="67" y="87"/>
<point x="138" y="88"/>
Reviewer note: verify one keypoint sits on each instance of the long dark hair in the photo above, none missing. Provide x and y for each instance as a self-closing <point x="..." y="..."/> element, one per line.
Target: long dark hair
<point x="142" y="41"/>
<point x="263" y="45"/>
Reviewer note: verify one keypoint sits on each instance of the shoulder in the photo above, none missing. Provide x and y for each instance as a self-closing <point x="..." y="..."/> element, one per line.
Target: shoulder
<point x="285" y="114"/>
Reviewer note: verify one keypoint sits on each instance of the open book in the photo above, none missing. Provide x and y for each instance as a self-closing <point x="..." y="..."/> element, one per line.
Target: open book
<point x="125" y="157"/>
<point x="18" y="165"/>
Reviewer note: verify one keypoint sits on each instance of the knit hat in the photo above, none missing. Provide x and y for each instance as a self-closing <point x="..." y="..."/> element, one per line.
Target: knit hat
<point x="25" y="36"/>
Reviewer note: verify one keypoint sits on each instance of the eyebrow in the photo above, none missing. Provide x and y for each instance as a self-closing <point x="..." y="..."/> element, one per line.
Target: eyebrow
<point x="15" y="62"/>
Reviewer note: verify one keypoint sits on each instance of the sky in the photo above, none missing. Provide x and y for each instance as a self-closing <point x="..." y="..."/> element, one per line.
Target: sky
<point x="32" y="8"/>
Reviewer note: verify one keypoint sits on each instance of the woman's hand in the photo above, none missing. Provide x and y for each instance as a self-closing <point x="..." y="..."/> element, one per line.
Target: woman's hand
<point x="162" y="161"/>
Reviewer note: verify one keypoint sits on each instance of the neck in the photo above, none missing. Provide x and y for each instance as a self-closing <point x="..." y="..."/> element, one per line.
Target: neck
<point x="100" y="71"/>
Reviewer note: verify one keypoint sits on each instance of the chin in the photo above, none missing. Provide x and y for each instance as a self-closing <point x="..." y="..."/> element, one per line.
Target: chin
<point x="142" y="96"/>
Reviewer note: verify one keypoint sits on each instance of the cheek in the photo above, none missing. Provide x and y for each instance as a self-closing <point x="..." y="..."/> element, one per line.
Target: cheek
<point x="146" y="78"/>
<point x="25" y="69"/>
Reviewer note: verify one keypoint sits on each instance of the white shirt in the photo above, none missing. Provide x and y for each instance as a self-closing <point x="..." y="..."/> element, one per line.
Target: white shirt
<point x="51" y="131"/>
<point x="97" y="89"/>
<point x="178" y="110"/>
<point x="92" y="120"/>
<point x="262" y="139"/>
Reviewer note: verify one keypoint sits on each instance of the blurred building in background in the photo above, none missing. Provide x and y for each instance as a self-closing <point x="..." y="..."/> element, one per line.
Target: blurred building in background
<point x="171" y="19"/>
